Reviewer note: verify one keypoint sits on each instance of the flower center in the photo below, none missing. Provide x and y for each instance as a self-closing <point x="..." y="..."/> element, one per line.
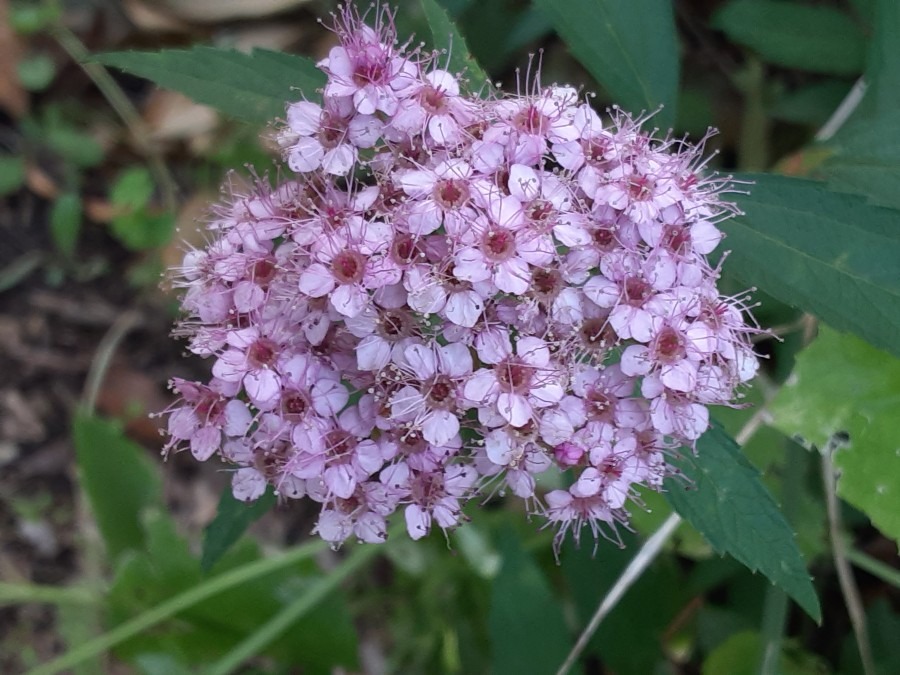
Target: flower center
<point x="499" y="244"/>
<point x="262" y="353"/>
<point x="540" y="211"/>
<point x="596" y="335"/>
<point x="263" y="272"/>
<point x="294" y="405"/>
<point x="599" y="406"/>
<point x="405" y="249"/>
<point x="532" y="121"/>
<point x="676" y="238"/>
<point x="636" y="291"/>
<point x="340" y="444"/>
<point x="395" y="324"/>
<point x="604" y="238"/>
<point x="434" y="101"/>
<point x="451" y="193"/>
<point x="669" y="345"/>
<point x="441" y="393"/>
<point x="513" y="375"/>
<point x="546" y="283"/>
<point x="348" y="267"/>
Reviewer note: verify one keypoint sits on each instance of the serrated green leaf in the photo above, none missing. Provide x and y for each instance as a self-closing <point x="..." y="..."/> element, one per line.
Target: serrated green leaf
<point x="728" y="503"/>
<point x="628" y="47"/>
<point x="233" y="517"/>
<point x="865" y="160"/>
<point x="818" y="39"/>
<point x="526" y="623"/>
<point x="119" y="479"/>
<point x="841" y="383"/>
<point x="252" y="87"/>
<point x="65" y="222"/>
<point x="827" y="253"/>
<point x="446" y="36"/>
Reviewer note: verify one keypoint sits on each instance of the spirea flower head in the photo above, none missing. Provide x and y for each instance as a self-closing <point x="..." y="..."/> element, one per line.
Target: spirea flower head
<point x="449" y="295"/>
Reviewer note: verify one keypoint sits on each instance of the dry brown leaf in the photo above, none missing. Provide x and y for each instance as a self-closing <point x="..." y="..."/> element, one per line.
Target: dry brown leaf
<point x="171" y="116"/>
<point x="13" y="98"/>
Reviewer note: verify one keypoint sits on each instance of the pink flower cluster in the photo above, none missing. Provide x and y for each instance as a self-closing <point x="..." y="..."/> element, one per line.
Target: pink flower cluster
<point x="452" y="295"/>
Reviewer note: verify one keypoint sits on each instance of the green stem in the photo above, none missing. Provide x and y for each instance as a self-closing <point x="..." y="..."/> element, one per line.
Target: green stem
<point x="278" y="624"/>
<point x="753" y="148"/>
<point x="775" y="608"/>
<point x="14" y="594"/>
<point x="874" y="567"/>
<point x="119" y="101"/>
<point x="175" y="605"/>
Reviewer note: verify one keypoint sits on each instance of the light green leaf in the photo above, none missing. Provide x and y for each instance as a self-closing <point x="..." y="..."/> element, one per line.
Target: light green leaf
<point x="119" y="479"/>
<point x="233" y="517"/>
<point x="827" y="253"/>
<point x="447" y="37"/>
<point x="841" y="383"/>
<point x="36" y="72"/>
<point x="740" y="653"/>
<point x="252" y="87"/>
<point x="12" y="173"/>
<point x="527" y="627"/>
<point x="728" y="503"/>
<point x="628" y="47"/>
<point x="65" y="222"/>
<point x="818" y="39"/>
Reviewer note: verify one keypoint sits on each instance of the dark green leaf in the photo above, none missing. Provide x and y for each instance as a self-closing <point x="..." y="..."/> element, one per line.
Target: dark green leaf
<point x="628" y="47"/>
<point x="252" y="87"/>
<point x="882" y="99"/>
<point x="233" y="517"/>
<point x="447" y="38"/>
<point x="526" y="623"/>
<point x="65" y="223"/>
<point x="119" y="479"/>
<point x="827" y="253"/>
<point x="727" y="502"/>
<point x="866" y="161"/>
<point x="143" y="230"/>
<point x="818" y="39"/>
<point x="812" y="104"/>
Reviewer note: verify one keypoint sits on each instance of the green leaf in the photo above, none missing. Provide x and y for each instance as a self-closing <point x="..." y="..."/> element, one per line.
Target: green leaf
<point x="65" y="223"/>
<point x="740" y="655"/>
<point x="233" y="517"/>
<point x="827" y="253"/>
<point x="12" y="174"/>
<point x="728" y="503"/>
<point x="527" y="627"/>
<point x="818" y="39"/>
<point x="447" y="37"/>
<point x="865" y="160"/>
<point x="841" y="383"/>
<point x="812" y="104"/>
<point x="118" y="478"/>
<point x="133" y="189"/>
<point x="252" y="87"/>
<point x="628" y="47"/>
<point x="36" y="72"/>
<point x="882" y="74"/>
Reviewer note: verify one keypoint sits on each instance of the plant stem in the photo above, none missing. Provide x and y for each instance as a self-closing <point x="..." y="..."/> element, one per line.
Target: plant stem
<point x="641" y="561"/>
<point x="119" y="102"/>
<point x="874" y="567"/>
<point x="179" y="603"/>
<point x="849" y="590"/>
<point x="14" y="594"/>
<point x="278" y="624"/>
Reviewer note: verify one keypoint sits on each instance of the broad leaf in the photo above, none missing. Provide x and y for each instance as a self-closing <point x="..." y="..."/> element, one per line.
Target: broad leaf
<point x="882" y="74"/>
<point x="628" y="47"/>
<point x="728" y="503"/>
<point x="819" y="39"/>
<point x="527" y="627"/>
<point x="119" y="479"/>
<point x="827" y="253"/>
<point x="446" y="37"/>
<point x="866" y="161"/>
<point x="233" y="517"/>
<point x="252" y="87"/>
<point x="841" y="383"/>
